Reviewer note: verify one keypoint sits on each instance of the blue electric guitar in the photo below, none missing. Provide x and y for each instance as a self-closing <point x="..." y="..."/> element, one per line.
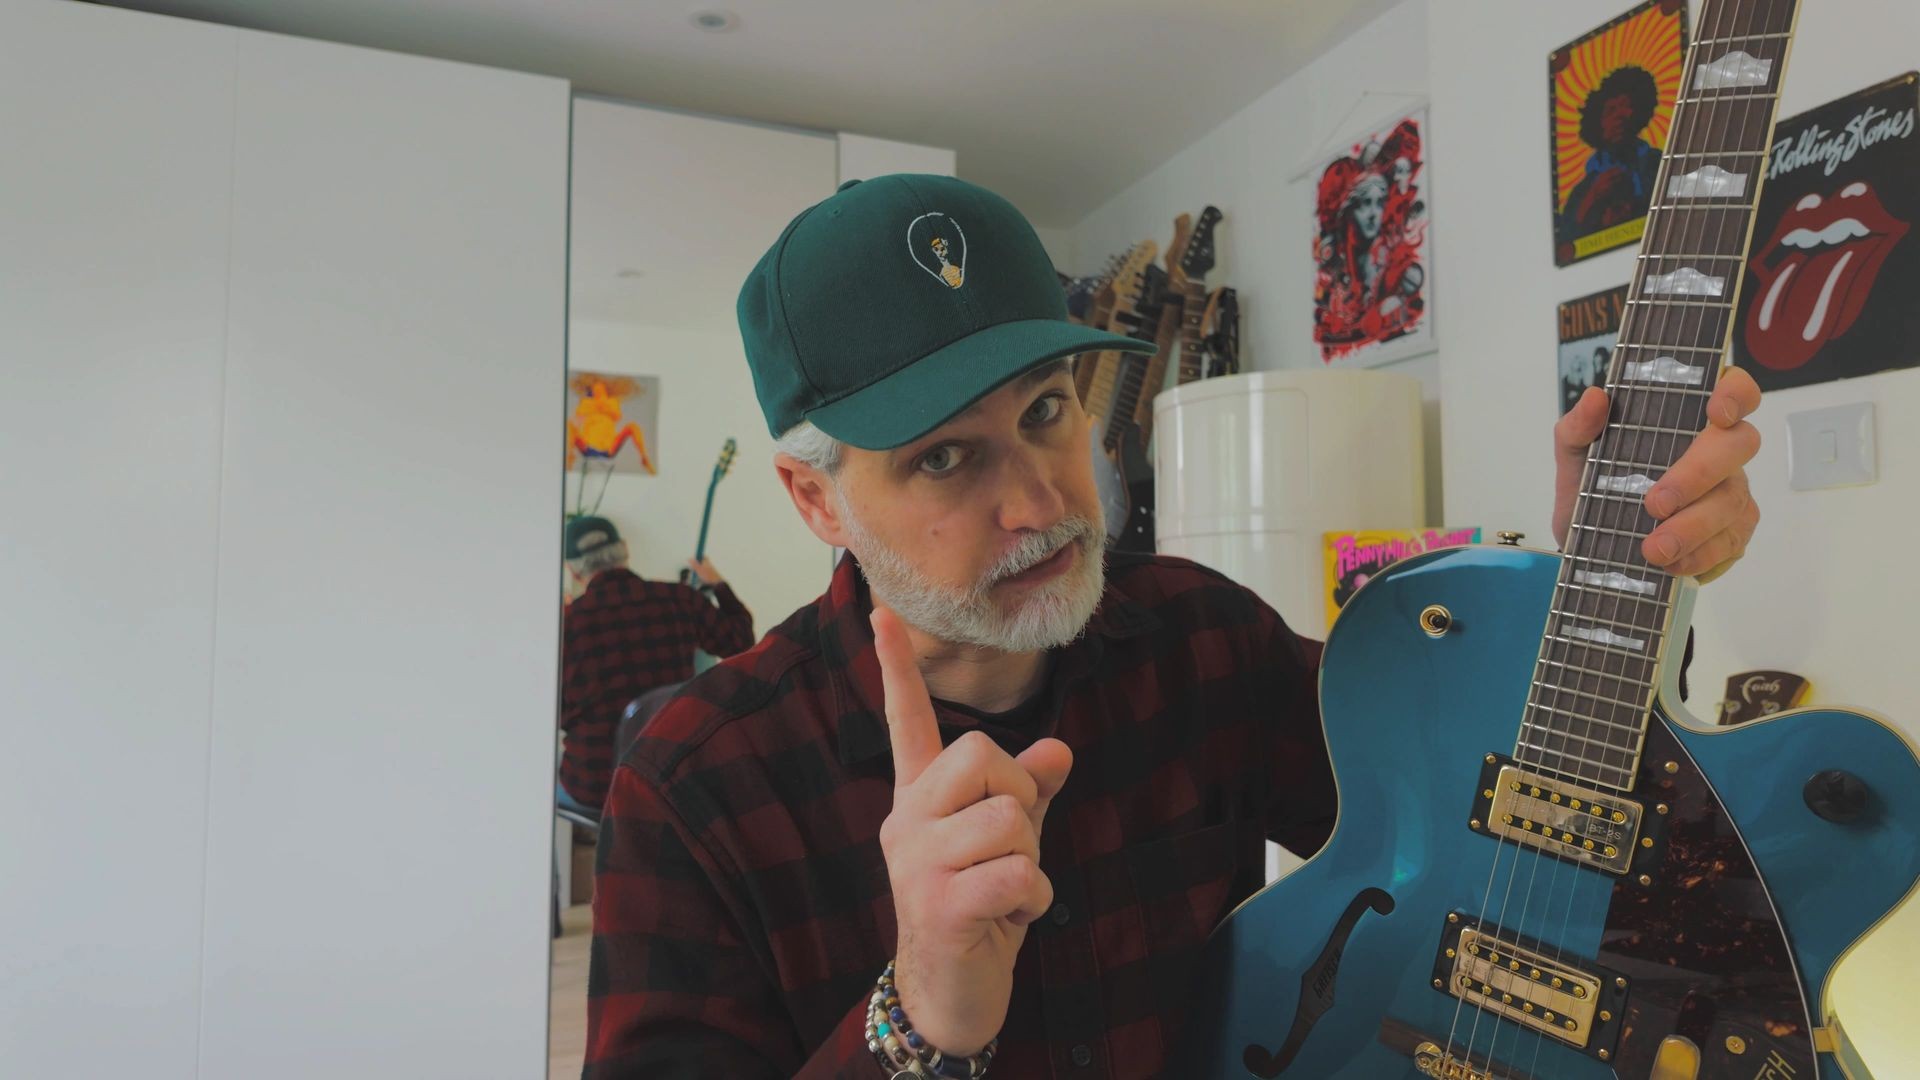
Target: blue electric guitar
<point x="1539" y="868"/>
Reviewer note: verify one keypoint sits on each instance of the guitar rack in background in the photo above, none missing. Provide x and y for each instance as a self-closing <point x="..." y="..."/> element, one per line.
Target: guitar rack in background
<point x="1197" y="333"/>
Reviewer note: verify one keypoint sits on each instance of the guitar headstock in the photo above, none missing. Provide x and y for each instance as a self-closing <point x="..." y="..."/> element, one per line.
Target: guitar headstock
<point x="727" y="452"/>
<point x="1197" y="256"/>
<point x="1132" y="265"/>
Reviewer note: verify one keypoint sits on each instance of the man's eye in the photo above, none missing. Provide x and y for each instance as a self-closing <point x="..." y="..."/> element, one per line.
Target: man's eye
<point x="1046" y="409"/>
<point x="941" y="460"/>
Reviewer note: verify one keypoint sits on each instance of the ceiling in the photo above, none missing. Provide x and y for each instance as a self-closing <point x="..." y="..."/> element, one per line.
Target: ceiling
<point x="1058" y="104"/>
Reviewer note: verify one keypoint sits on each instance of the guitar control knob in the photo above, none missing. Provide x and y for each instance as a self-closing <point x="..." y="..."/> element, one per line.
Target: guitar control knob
<point x="1510" y="539"/>
<point x="1836" y="795"/>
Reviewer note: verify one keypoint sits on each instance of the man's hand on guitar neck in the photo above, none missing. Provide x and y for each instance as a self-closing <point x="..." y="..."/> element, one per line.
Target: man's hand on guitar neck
<point x="1704" y="507"/>
<point x="962" y="846"/>
<point x="704" y="573"/>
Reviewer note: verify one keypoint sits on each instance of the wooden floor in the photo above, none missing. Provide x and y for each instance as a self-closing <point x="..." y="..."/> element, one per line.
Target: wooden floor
<point x="567" y="1009"/>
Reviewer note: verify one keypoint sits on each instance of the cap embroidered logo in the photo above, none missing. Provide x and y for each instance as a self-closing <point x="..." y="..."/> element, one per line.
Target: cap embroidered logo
<point x="939" y="246"/>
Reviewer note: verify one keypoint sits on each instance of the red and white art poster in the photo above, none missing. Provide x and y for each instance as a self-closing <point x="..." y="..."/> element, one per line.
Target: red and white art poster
<point x="1372" y="292"/>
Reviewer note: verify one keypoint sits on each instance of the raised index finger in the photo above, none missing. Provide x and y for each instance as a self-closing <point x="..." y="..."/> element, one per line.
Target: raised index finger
<point x="911" y="727"/>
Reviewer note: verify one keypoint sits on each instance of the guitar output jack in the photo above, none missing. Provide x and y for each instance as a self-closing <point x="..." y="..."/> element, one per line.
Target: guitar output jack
<point x="1436" y="620"/>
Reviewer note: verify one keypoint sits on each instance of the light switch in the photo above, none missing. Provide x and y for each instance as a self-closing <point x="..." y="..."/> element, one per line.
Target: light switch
<point x="1831" y="447"/>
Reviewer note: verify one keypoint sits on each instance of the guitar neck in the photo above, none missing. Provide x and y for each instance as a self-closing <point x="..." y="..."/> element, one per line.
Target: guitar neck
<point x="1193" y="311"/>
<point x="1608" y="630"/>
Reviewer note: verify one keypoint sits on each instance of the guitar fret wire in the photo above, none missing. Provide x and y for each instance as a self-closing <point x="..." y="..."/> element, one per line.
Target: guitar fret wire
<point x="1580" y="644"/>
<point x="1564" y="756"/>
<point x="1615" y="623"/>
<point x="1735" y="40"/>
<point x="1556" y="733"/>
<point x="1597" y="697"/>
<point x="1698" y="99"/>
<point x="1655" y="429"/>
<point x="1690" y="255"/>
<point x="1619" y="677"/>
<point x="1721" y="154"/>
<point x="1728" y="205"/>
<point x="1634" y="499"/>
<point x="1628" y="464"/>
<point x="1585" y="720"/>
<point x="1610" y="532"/>
<point x="1700" y="349"/>
<point x="1607" y="592"/>
<point x="1634" y="388"/>
<point x="1684" y="303"/>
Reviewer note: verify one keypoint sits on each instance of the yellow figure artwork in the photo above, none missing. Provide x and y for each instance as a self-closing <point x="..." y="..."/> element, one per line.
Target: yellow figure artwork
<point x="949" y="273"/>
<point x="596" y="429"/>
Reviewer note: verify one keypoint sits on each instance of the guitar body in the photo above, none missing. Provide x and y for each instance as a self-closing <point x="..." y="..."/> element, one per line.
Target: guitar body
<point x="1123" y="482"/>
<point x="1751" y="898"/>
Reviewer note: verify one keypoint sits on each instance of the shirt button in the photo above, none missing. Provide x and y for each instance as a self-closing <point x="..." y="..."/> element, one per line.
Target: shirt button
<point x="1061" y="914"/>
<point x="1082" y="1056"/>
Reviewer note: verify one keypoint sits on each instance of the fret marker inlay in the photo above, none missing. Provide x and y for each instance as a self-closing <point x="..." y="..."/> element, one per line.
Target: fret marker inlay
<point x="1616" y="581"/>
<point x="1736" y="68"/>
<point x="1665" y="369"/>
<point x="1707" y="182"/>
<point x="1631" y="484"/>
<point x="1600" y="635"/>
<point x="1687" y="281"/>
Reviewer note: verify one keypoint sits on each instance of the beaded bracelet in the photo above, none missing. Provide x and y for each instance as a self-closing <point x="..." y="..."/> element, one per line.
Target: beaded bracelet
<point x="901" y="1050"/>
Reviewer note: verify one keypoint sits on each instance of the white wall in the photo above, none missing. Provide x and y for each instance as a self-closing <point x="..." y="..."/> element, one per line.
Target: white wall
<point x="1818" y="592"/>
<point x="1247" y="167"/>
<point x="112" y="320"/>
<point x="281" y="325"/>
<point x="641" y="172"/>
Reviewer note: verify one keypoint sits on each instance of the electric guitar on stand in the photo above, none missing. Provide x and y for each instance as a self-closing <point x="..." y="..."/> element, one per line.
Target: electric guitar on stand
<point x="720" y="469"/>
<point x="1123" y="474"/>
<point x="1542" y="866"/>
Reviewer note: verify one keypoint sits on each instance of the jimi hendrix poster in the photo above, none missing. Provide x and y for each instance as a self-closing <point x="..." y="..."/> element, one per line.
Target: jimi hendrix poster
<point x="1611" y="97"/>
<point x="1587" y="329"/>
<point x="1833" y="265"/>
<point x="1372" y="300"/>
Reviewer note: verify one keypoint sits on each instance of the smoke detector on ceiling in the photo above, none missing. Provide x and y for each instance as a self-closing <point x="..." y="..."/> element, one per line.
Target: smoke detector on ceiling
<point x="715" y="21"/>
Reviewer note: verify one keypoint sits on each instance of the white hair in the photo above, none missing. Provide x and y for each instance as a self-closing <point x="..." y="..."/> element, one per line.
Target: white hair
<point x="806" y="443"/>
<point x="605" y="557"/>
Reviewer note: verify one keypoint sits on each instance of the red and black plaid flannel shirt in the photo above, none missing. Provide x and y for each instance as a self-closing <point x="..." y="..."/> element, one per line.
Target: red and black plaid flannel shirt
<point x="742" y="909"/>
<point x="624" y="636"/>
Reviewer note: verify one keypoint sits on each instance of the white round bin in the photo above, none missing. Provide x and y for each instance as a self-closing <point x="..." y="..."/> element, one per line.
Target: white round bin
<point x="1251" y="470"/>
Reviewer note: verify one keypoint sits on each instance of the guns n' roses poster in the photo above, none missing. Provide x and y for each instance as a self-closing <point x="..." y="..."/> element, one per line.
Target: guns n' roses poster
<point x="1612" y="95"/>
<point x="1833" y="267"/>
<point x="1371" y="296"/>
<point x="1588" y="327"/>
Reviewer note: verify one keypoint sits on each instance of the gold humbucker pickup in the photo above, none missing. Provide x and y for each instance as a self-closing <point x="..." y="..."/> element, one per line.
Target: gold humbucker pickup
<point x="1592" y="827"/>
<point x="1521" y="981"/>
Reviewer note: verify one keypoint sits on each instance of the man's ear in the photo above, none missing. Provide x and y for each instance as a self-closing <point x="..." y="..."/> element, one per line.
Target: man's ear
<point x="813" y="495"/>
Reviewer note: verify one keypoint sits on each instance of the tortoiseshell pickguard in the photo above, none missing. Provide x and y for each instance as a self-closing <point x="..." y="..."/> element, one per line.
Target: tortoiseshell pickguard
<point x="1705" y="951"/>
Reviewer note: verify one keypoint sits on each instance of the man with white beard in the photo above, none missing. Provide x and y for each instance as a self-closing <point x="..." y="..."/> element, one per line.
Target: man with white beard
<point x="981" y="803"/>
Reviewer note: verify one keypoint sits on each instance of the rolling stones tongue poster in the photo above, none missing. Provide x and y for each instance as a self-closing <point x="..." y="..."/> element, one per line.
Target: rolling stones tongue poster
<point x="1833" y="268"/>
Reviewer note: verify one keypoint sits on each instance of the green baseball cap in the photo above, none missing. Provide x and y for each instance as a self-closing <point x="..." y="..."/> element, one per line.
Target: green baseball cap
<point x="889" y="308"/>
<point x="587" y="534"/>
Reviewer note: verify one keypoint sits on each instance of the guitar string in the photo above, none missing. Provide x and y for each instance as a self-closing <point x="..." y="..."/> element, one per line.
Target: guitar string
<point x="1668" y="251"/>
<point x="1610" y="512"/>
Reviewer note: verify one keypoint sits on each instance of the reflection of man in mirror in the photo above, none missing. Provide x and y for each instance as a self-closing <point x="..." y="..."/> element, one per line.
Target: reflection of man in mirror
<point x="1620" y="174"/>
<point x="623" y="637"/>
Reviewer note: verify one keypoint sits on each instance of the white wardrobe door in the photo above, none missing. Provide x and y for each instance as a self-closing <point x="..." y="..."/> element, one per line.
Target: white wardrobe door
<point x="113" y="247"/>
<point x="385" y="696"/>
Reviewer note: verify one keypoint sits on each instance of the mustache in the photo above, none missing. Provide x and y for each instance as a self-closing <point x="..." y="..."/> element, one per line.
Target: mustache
<point x="1041" y="546"/>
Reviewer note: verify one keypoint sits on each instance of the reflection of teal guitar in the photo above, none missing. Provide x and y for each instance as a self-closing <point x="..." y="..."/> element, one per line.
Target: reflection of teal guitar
<point x="1542" y="866"/>
<point x="720" y="468"/>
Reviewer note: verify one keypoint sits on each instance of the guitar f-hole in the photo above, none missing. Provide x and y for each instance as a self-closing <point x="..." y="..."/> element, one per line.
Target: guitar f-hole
<point x="1316" y="987"/>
